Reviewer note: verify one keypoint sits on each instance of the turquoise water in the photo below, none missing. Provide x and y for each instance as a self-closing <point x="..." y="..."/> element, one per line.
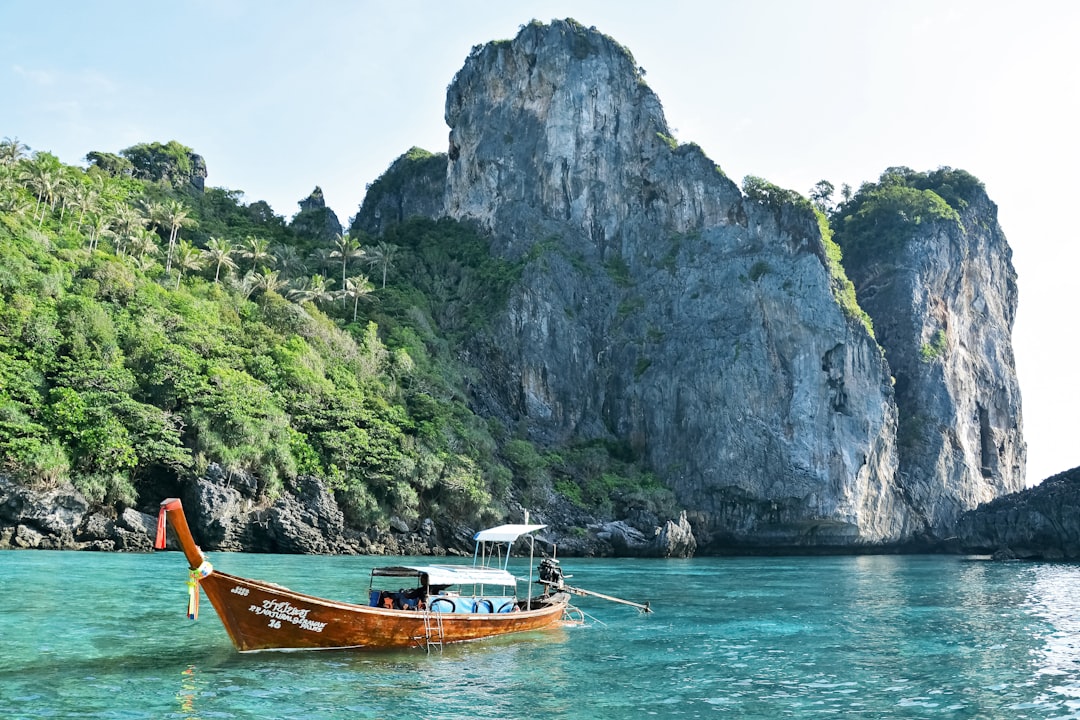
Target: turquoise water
<point x="89" y="635"/>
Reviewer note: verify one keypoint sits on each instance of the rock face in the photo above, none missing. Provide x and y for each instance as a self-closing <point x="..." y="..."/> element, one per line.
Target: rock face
<point x="412" y="186"/>
<point x="943" y="304"/>
<point x="198" y="172"/>
<point x="223" y="515"/>
<point x="61" y="519"/>
<point x="661" y="307"/>
<point x="47" y="520"/>
<point x="171" y="163"/>
<point x="1040" y="522"/>
<point x="307" y="521"/>
<point x="315" y="220"/>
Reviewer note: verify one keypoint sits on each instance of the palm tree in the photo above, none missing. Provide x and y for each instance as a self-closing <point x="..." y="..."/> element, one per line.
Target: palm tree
<point x="155" y="213"/>
<point x="7" y="188"/>
<point x="220" y="253"/>
<point x="382" y="255"/>
<point x="346" y="247"/>
<point x="188" y="257"/>
<point x="45" y="184"/>
<point x="322" y="259"/>
<point x="146" y="262"/>
<point x="300" y="291"/>
<point x="175" y="216"/>
<point x="41" y="177"/>
<point x="257" y="251"/>
<point x="14" y="204"/>
<point x="356" y="288"/>
<point x="315" y="289"/>
<point x="85" y="200"/>
<point x="65" y="189"/>
<point x="267" y="281"/>
<point x="121" y="242"/>
<point x="289" y="261"/>
<point x="12" y="150"/>
<point x="143" y="244"/>
<point x="99" y="225"/>
<point x="129" y="220"/>
<point x="247" y="284"/>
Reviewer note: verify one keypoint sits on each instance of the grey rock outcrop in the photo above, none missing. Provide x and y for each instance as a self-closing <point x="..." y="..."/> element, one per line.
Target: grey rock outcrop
<point x="170" y="163"/>
<point x="306" y="521"/>
<point x="218" y="506"/>
<point x="61" y="519"/>
<point x="943" y="303"/>
<point x="224" y="514"/>
<point x="44" y="520"/>
<point x="676" y="539"/>
<point x="673" y="540"/>
<point x="315" y="220"/>
<point x="197" y="178"/>
<point x="411" y="186"/>
<point x="1042" y="522"/>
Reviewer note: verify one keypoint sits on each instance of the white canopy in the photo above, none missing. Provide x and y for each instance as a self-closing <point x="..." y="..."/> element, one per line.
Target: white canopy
<point x="451" y="574"/>
<point x="505" y="533"/>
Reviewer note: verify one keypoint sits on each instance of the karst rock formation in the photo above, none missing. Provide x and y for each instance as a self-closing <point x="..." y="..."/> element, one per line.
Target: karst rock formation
<point x="662" y="307"/>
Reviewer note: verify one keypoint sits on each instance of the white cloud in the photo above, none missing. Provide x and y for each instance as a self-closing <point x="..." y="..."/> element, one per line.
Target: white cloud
<point x="42" y="78"/>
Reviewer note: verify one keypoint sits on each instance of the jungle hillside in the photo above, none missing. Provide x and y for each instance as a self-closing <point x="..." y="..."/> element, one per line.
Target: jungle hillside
<point x="151" y="326"/>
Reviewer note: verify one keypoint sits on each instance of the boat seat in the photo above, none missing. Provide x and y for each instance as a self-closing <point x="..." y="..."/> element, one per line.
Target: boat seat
<point x="463" y="605"/>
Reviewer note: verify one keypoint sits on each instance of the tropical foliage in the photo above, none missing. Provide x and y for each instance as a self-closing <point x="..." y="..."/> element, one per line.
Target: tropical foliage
<point x="132" y="354"/>
<point x="149" y="328"/>
<point x="881" y="217"/>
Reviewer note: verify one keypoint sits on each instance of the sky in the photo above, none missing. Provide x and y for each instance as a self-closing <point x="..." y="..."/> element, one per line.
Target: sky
<point x="281" y="96"/>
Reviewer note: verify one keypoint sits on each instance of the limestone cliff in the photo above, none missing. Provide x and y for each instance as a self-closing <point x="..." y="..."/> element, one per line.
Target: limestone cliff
<point x="662" y="307"/>
<point x="936" y="275"/>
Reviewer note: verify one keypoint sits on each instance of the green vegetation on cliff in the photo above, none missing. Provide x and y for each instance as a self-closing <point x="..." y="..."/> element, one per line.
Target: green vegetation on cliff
<point x="148" y="329"/>
<point x="874" y="225"/>
<point x="781" y="202"/>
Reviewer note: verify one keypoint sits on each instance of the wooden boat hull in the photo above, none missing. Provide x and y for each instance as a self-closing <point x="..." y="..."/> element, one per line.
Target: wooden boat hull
<point x="260" y="615"/>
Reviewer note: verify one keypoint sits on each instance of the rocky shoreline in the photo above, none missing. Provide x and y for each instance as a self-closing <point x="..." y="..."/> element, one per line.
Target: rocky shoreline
<point x="1040" y="523"/>
<point x="225" y="514"/>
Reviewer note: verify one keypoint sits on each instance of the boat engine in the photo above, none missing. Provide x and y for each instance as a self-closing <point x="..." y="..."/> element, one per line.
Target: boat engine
<point x="551" y="573"/>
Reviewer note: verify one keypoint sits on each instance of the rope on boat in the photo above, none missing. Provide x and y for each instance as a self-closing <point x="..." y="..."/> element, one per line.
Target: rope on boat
<point x="586" y="615"/>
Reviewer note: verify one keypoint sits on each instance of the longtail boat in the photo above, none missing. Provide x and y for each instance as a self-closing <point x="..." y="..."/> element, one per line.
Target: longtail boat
<point x="448" y="603"/>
